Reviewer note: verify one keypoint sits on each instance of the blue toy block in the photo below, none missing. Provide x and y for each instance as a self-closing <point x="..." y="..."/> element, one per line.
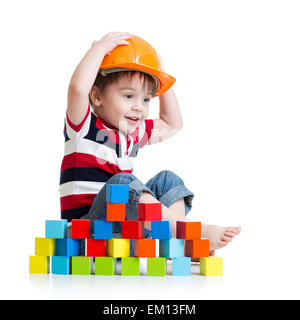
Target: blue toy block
<point x="117" y="193"/>
<point x="171" y="248"/>
<point x="181" y="266"/>
<point x="68" y="247"/>
<point x="60" y="265"/>
<point x="161" y="229"/>
<point x="56" y="228"/>
<point x="103" y="229"/>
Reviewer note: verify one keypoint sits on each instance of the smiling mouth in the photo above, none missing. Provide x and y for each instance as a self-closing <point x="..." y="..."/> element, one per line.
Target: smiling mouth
<point x="133" y="119"/>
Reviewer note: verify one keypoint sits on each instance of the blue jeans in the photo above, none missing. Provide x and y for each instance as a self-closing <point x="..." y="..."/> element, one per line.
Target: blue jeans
<point x="165" y="186"/>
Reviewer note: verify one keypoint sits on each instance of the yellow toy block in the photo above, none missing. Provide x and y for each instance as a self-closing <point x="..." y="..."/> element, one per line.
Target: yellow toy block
<point x="118" y="247"/>
<point x="38" y="264"/>
<point x="211" y="266"/>
<point x="44" y="247"/>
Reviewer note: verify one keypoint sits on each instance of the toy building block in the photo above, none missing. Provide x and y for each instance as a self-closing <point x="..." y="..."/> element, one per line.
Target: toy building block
<point x="115" y="211"/>
<point x="197" y="248"/>
<point x="81" y="265"/>
<point x="95" y="248"/>
<point x="181" y="266"/>
<point x="118" y="248"/>
<point x="171" y="248"/>
<point x="130" y="266"/>
<point x="103" y="229"/>
<point x="149" y="211"/>
<point x="161" y="229"/>
<point x="117" y="193"/>
<point x="156" y="266"/>
<point x="68" y="247"/>
<point x="44" y="246"/>
<point x="80" y="228"/>
<point x="132" y="229"/>
<point x="211" y="266"/>
<point x="105" y="266"/>
<point x="38" y="264"/>
<point x="60" y="265"/>
<point x="188" y="230"/>
<point x="144" y="248"/>
<point x="56" y="228"/>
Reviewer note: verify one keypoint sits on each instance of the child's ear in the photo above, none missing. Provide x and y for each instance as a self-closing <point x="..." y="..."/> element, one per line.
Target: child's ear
<point x="95" y="96"/>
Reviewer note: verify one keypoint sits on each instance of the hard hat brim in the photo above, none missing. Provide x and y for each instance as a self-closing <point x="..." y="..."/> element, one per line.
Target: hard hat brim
<point x="165" y="80"/>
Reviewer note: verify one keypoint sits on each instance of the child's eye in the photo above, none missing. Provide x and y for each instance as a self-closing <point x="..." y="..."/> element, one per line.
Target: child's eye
<point x="147" y="100"/>
<point x="128" y="96"/>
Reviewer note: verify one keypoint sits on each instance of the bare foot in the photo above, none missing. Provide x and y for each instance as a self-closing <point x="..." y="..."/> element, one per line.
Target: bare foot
<point x="218" y="236"/>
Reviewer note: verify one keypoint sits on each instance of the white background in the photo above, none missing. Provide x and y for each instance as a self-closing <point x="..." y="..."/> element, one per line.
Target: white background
<point x="238" y="74"/>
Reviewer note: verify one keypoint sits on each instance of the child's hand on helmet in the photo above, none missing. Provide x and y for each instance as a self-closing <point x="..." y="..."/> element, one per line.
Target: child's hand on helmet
<point x="112" y="40"/>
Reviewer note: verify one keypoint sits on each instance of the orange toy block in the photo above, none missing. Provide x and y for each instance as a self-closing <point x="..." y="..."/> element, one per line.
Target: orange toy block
<point x="144" y="248"/>
<point x="197" y="248"/>
<point x="115" y="211"/>
<point x="188" y="230"/>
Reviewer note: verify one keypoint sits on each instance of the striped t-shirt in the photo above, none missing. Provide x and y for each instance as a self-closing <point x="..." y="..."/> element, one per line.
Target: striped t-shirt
<point x="94" y="152"/>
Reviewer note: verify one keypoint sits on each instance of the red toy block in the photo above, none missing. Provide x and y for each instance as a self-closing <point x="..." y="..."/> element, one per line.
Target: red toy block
<point x="149" y="211"/>
<point x="95" y="248"/>
<point x="197" y="248"/>
<point x="115" y="211"/>
<point x="132" y="229"/>
<point x="144" y="248"/>
<point x="188" y="230"/>
<point x="80" y="228"/>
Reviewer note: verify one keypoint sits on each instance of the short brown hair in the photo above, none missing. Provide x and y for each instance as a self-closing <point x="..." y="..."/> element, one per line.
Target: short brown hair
<point x="102" y="82"/>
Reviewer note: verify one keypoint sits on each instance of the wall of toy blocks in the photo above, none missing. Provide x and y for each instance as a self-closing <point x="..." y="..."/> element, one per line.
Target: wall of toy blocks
<point x="58" y="254"/>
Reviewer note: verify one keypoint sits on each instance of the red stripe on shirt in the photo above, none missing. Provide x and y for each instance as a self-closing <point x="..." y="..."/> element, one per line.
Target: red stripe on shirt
<point x="148" y="132"/>
<point x="75" y="201"/>
<point x="113" y="135"/>
<point x="79" y="126"/>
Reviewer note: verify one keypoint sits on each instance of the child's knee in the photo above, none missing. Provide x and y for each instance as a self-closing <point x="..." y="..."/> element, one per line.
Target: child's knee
<point x="169" y="175"/>
<point x="122" y="178"/>
<point x="163" y="182"/>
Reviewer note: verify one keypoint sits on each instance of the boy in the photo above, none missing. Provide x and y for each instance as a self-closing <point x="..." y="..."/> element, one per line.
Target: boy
<point x="101" y="144"/>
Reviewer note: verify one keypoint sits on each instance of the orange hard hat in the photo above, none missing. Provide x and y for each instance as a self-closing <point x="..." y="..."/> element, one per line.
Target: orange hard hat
<point x="141" y="56"/>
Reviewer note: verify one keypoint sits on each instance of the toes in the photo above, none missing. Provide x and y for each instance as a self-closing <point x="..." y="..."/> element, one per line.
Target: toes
<point x="238" y="230"/>
<point x="226" y="239"/>
<point x="233" y="230"/>
<point x="229" y="234"/>
<point x="229" y="230"/>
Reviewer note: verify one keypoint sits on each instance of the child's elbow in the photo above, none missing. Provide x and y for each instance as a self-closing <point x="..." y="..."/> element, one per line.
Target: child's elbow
<point x="177" y="127"/>
<point x="180" y="125"/>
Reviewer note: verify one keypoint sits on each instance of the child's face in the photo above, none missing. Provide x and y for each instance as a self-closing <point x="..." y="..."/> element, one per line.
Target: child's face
<point x="125" y="104"/>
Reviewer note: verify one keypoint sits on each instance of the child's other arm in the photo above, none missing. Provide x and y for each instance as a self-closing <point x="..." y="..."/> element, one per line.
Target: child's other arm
<point x="85" y="74"/>
<point x="170" y="119"/>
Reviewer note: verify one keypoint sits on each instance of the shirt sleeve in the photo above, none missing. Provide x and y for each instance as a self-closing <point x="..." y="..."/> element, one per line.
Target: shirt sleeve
<point x="145" y="132"/>
<point x="80" y="130"/>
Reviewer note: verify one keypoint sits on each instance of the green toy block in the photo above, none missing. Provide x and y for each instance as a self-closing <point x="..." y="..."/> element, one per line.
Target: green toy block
<point x="104" y="266"/>
<point x="130" y="266"/>
<point x="81" y="265"/>
<point x="156" y="266"/>
<point x="38" y="264"/>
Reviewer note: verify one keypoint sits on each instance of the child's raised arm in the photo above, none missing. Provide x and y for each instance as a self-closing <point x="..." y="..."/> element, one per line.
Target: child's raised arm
<point x="85" y="74"/>
<point x="170" y="119"/>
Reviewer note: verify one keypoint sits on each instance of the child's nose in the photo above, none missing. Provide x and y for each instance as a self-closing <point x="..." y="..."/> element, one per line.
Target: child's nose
<point x="136" y="107"/>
